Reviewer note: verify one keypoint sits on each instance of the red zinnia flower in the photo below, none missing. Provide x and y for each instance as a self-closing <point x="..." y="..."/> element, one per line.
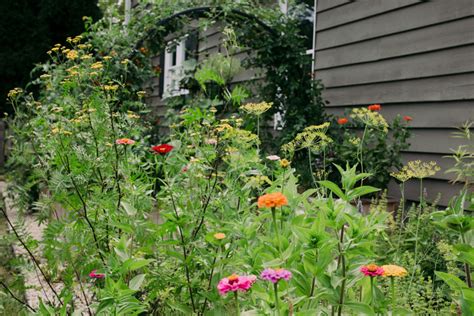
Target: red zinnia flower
<point x="162" y="149"/>
<point x="96" y="275"/>
<point x="342" y="121"/>
<point x="407" y="118"/>
<point x="375" y="107"/>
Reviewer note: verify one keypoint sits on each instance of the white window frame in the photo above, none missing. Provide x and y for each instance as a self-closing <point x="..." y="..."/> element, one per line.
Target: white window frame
<point x="174" y="73"/>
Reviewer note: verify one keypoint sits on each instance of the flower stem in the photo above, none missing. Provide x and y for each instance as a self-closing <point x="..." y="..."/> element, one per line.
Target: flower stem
<point x="277" y="304"/>
<point x="392" y="285"/>
<point x="467" y="268"/>
<point x="372" y="301"/>
<point x="237" y="307"/>
<point x="275" y="227"/>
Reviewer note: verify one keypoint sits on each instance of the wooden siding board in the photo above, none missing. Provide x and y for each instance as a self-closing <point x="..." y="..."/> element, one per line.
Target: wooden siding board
<point x="442" y="62"/>
<point x="408" y="18"/>
<point x="438" y="141"/>
<point x="453" y="87"/>
<point x="324" y="5"/>
<point x="435" y="37"/>
<point x="433" y="188"/>
<point x="357" y="10"/>
<point x="426" y="114"/>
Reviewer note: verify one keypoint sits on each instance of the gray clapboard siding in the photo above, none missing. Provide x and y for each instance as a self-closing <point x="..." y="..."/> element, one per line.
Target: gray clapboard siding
<point x="415" y="59"/>
<point x="324" y="5"/>
<point x="358" y="10"/>
<point x="434" y="188"/>
<point x="434" y="141"/>
<point x="441" y="62"/>
<point x="443" y="114"/>
<point x="404" y="19"/>
<point x="452" y="87"/>
<point x="431" y="38"/>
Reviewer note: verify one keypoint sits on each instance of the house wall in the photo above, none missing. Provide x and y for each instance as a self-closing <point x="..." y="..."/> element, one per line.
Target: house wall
<point x="415" y="58"/>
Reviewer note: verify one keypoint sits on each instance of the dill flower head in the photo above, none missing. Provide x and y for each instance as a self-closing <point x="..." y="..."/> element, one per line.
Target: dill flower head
<point x="272" y="200"/>
<point x="312" y="137"/>
<point x="370" y="118"/>
<point x="421" y="169"/>
<point x="402" y="175"/>
<point x="391" y="270"/>
<point x="256" y="108"/>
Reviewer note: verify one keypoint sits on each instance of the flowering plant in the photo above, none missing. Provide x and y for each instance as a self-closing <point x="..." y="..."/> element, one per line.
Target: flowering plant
<point x="364" y="137"/>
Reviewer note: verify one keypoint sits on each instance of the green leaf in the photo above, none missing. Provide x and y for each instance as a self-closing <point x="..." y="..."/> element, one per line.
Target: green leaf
<point x="135" y="264"/>
<point x="454" y="282"/>
<point x="360" y="191"/>
<point x="334" y="188"/>
<point x="129" y="209"/>
<point x="136" y="282"/>
<point x="360" y="308"/>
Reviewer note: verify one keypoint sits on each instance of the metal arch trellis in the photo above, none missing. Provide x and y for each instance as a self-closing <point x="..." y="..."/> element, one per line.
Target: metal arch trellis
<point x="199" y="12"/>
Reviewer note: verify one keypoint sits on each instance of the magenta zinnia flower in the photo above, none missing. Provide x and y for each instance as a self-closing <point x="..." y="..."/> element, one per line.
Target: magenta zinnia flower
<point x="235" y="283"/>
<point x="371" y="270"/>
<point x="95" y="275"/>
<point x="275" y="275"/>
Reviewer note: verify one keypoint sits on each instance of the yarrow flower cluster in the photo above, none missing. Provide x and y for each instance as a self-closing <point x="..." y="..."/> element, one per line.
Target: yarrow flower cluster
<point x="272" y="200"/>
<point x="371" y="270"/>
<point x="236" y="283"/>
<point x="275" y="275"/>
<point x="391" y="270"/>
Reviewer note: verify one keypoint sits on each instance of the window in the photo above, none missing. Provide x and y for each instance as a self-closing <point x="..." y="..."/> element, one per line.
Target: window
<point x="173" y="68"/>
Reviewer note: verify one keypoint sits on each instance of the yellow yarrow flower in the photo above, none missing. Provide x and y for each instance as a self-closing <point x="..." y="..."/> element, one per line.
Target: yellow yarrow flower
<point x="391" y="270"/>
<point x="72" y="54"/>
<point x="97" y="65"/>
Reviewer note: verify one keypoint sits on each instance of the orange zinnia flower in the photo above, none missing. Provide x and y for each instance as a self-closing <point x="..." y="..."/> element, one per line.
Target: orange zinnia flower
<point x="375" y="107"/>
<point x="124" y="141"/>
<point x="407" y="118"/>
<point x="342" y="121"/>
<point x="272" y="200"/>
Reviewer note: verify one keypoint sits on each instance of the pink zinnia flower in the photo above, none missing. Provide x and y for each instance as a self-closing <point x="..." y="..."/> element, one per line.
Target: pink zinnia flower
<point x="273" y="157"/>
<point x="95" y="275"/>
<point x="275" y="275"/>
<point x="236" y="283"/>
<point x="125" y="141"/>
<point x="371" y="270"/>
<point x="211" y="141"/>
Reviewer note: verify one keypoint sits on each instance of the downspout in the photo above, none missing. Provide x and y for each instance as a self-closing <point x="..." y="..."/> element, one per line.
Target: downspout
<point x="128" y="9"/>
<point x="313" y="53"/>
